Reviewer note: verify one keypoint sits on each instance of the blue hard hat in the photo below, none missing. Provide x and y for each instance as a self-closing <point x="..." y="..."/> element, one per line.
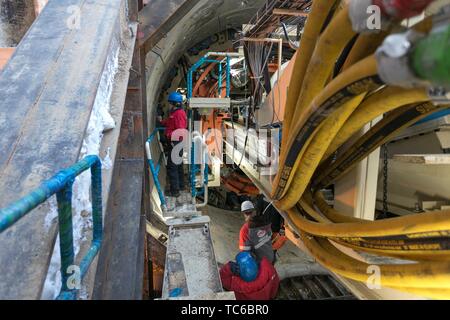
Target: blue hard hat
<point x="175" y="97"/>
<point x="248" y="267"/>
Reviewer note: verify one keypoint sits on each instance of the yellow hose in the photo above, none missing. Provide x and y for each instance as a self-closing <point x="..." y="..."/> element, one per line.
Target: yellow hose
<point x="364" y="46"/>
<point x="329" y="173"/>
<point x="412" y="226"/>
<point x="416" y="255"/>
<point x="319" y="118"/>
<point x="319" y="12"/>
<point x="331" y="213"/>
<point x="377" y="104"/>
<point x="330" y="45"/>
<point x="417" y="275"/>
<point x="354" y="81"/>
<point x="315" y="151"/>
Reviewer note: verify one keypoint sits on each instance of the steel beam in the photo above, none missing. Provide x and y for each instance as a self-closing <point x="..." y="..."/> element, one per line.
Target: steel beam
<point x="44" y="111"/>
<point x="121" y="262"/>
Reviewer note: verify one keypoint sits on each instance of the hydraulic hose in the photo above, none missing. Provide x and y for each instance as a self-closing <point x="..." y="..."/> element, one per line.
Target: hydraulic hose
<point x="360" y="78"/>
<point x="385" y="100"/>
<point x="331" y="43"/>
<point x="310" y="159"/>
<point x="323" y="113"/>
<point x="317" y="17"/>
<point x="381" y="133"/>
<point x="425" y="275"/>
<point x="406" y="227"/>
<point x="364" y="46"/>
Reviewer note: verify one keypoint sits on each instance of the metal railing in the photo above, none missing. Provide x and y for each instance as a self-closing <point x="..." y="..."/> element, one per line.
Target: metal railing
<point x="155" y="168"/>
<point x="61" y="185"/>
<point x="199" y="164"/>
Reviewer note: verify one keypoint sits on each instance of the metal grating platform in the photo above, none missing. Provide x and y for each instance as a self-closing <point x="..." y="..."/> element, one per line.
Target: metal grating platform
<point x="313" y="287"/>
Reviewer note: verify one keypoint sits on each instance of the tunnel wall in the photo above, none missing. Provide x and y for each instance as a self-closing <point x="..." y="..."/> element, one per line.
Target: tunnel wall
<point x="207" y="18"/>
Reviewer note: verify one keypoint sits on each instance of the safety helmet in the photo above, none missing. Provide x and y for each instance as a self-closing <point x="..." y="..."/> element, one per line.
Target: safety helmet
<point x="248" y="267"/>
<point x="247" y="206"/>
<point x="175" y="97"/>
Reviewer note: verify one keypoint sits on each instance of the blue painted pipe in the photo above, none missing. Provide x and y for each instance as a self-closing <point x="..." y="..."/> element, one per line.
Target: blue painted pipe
<point x="228" y="76"/>
<point x="220" y="80"/>
<point x="155" y="170"/>
<point x="434" y="116"/>
<point x="64" y="198"/>
<point x="15" y="211"/>
<point x="61" y="185"/>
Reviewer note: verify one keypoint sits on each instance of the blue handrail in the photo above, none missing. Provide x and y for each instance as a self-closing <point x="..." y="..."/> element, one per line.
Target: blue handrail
<point x="61" y="185"/>
<point x="155" y="168"/>
<point x="204" y="60"/>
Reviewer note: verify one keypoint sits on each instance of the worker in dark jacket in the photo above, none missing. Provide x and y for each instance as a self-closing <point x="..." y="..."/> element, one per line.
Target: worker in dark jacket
<point x="177" y="120"/>
<point x="256" y="234"/>
<point x="249" y="279"/>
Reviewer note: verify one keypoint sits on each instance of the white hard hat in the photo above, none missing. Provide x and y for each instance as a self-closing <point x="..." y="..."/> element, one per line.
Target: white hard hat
<point x="247" y="206"/>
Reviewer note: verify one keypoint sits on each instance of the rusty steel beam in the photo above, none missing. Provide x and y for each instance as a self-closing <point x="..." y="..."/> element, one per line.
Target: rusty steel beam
<point x="121" y="262"/>
<point x="44" y="111"/>
<point x="158" y="17"/>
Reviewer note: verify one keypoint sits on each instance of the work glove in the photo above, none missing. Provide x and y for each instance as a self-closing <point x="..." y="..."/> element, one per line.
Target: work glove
<point x="234" y="268"/>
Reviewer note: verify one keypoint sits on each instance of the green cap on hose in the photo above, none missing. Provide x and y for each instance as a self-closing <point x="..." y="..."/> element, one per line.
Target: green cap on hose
<point x="430" y="58"/>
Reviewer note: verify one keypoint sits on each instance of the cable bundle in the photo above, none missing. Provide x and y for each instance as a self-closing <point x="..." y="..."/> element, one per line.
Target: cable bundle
<point x="322" y="112"/>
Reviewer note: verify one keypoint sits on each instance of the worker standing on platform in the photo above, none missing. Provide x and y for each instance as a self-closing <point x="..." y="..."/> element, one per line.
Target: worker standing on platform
<point x="177" y="120"/>
<point x="249" y="279"/>
<point x="256" y="234"/>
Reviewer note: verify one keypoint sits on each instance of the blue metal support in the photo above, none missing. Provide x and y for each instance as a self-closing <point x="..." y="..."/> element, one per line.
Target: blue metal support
<point x="219" y="83"/>
<point x="434" y="116"/>
<point x="194" y="168"/>
<point x="197" y="65"/>
<point x="155" y="168"/>
<point x="61" y="185"/>
<point x="228" y="66"/>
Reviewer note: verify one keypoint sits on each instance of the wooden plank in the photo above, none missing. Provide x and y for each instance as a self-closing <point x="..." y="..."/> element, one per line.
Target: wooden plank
<point x="423" y="158"/>
<point x="289" y="12"/>
<point x="158" y="17"/>
<point x="47" y="91"/>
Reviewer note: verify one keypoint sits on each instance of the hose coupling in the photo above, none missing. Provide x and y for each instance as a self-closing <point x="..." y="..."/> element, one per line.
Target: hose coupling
<point x="393" y="60"/>
<point x="413" y="59"/>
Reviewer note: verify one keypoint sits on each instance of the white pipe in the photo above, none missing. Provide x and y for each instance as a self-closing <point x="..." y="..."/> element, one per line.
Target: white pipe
<point x="205" y="198"/>
<point x="263" y="40"/>
<point x="147" y="150"/>
<point x="224" y="54"/>
<point x="204" y="152"/>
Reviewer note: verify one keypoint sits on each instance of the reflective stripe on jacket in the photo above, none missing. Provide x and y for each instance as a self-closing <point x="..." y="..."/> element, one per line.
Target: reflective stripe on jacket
<point x="256" y="236"/>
